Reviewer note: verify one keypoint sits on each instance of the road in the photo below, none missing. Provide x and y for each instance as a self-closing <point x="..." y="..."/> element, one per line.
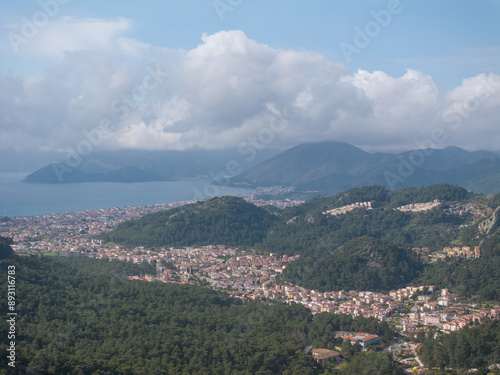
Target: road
<point x="416" y="357"/>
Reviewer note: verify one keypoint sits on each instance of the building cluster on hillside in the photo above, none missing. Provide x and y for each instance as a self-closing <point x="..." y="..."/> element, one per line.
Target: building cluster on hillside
<point x="445" y="314"/>
<point x="464" y="252"/>
<point x="250" y="276"/>
<point x="419" y="207"/>
<point x="280" y="203"/>
<point x="348" y="208"/>
<point x="247" y="275"/>
<point x="363" y="303"/>
<point x="470" y="208"/>
<point x="452" y="252"/>
<point x="273" y="190"/>
<point x="409" y="292"/>
<point x="422" y="252"/>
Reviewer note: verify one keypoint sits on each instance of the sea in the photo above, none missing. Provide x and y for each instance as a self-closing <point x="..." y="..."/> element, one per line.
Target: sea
<point x="21" y="199"/>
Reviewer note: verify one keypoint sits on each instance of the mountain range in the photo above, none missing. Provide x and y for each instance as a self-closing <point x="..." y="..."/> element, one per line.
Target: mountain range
<point x="331" y="167"/>
<point x="325" y="168"/>
<point x="143" y="165"/>
<point x="62" y="173"/>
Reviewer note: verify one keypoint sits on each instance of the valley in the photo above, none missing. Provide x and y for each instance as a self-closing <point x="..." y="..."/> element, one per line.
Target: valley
<point x="342" y="255"/>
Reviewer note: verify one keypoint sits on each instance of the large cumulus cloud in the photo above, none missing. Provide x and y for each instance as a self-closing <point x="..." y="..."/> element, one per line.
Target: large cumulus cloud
<point x="225" y="91"/>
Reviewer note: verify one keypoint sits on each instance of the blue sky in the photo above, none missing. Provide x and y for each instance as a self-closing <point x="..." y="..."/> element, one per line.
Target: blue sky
<point x="425" y="50"/>
<point x="428" y="36"/>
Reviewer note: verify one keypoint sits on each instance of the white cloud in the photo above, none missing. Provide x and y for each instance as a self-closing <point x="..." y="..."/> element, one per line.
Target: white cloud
<point x="471" y="111"/>
<point x="140" y="135"/>
<point x="224" y="92"/>
<point x="68" y="34"/>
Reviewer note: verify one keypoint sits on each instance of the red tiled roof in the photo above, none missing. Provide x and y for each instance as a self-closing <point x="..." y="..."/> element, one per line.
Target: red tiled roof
<point x="324" y="353"/>
<point x="360" y="337"/>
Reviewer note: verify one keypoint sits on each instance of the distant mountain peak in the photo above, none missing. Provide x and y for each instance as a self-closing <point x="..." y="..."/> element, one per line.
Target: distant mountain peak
<point x="331" y="166"/>
<point x="59" y="173"/>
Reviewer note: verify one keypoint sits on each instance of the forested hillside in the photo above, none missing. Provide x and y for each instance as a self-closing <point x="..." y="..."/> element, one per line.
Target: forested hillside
<point x="298" y="230"/>
<point x="475" y="346"/>
<point x="5" y="248"/>
<point x="226" y="220"/>
<point x="305" y="229"/>
<point x="82" y="316"/>
<point x="469" y="277"/>
<point x="360" y="264"/>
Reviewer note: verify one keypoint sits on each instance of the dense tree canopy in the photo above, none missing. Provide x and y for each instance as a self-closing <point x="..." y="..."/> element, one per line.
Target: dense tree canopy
<point x="361" y="264"/>
<point x="226" y="220"/>
<point x="5" y="248"/>
<point x="83" y="316"/>
<point x="232" y="221"/>
<point x="469" y="277"/>
<point x="475" y="346"/>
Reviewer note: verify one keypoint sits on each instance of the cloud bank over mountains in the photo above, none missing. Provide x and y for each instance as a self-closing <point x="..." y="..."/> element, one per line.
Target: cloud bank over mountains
<point x="226" y="91"/>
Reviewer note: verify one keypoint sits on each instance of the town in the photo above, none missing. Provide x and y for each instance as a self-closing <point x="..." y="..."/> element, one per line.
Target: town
<point x="245" y="274"/>
<point x="348" y="208"/>
<point x="419" y="207"/>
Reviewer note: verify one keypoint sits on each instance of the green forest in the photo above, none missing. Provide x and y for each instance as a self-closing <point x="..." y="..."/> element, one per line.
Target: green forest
<point x="228" y="220"/>
<point x="83" y="316"/>
<point x="476" y="346"/>
<point x="5" y="249"/>
<point x="304" y="229"/>
<point x="368" y="264"/>
<point x="297" y="230"/>
<point x="360" y="264"/>
<point x="469" y="277"/>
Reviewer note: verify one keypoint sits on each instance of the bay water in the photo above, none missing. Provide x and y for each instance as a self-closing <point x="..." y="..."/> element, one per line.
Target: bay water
<point x="21" y="199"/>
